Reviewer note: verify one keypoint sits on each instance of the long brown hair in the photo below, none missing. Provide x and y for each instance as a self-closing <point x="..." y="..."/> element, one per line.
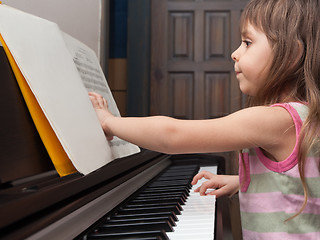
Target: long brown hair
<point x="293" y="30"/>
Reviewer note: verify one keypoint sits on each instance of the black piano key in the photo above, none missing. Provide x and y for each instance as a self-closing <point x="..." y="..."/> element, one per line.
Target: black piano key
<point x="159" y="234"/>
<point x="183" y="197"/>
<point x="147" y="205"/>
<point x="114" y="227"/>
<point x="167" y="189"/>
<point x="179" y="173"/>
<point x="176" y="174"/>
<point x="170" y="181"/>
<point x="147" y="195"/>
<point x="162" y="195"/>
<point x="179" y="200"/>
<point x="175" y="178"/>
<point x="164" y="184"/>
<point x="169" y="208"/>
<point x="180" y="177"/>
<point x="142" y="219"/>
<point x="183" y="194"/>
<point x="142" y="215"/>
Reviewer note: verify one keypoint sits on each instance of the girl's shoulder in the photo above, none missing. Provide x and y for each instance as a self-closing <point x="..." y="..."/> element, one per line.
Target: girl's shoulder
<point x="268" y="126"/>
<point x="300" y="108"/>
<point x="297" y="110"/>
<point x="276" y="127"/>
<point x="281" y="115"/>
<point x="276" y="112"/>
<point x="279" y="111"/>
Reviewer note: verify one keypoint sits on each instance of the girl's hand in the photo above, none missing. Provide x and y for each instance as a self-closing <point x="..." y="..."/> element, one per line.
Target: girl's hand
<point x="224" y="184"/>
<point x="100" y="105"/>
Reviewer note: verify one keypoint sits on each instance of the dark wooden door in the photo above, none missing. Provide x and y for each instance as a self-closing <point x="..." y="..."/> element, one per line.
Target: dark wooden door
<point x="191" y="68"/>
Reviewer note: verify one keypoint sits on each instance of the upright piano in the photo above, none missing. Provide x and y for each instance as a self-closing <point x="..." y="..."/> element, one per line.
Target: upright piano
<point x="136" y="197"/>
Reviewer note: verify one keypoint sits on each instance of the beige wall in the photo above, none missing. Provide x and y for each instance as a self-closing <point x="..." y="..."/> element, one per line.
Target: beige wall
<point x="79" y="18"/>
<point x="86" y="20"/>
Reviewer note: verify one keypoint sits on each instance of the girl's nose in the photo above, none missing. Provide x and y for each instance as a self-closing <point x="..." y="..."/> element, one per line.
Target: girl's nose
<point x="235" y="55"/>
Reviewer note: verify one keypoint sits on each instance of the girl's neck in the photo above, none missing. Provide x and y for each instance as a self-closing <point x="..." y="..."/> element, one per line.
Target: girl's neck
<point x="288" y="96"/>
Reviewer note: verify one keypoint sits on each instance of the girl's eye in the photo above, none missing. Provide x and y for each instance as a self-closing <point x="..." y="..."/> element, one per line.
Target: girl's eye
<point x="247" y="42"/>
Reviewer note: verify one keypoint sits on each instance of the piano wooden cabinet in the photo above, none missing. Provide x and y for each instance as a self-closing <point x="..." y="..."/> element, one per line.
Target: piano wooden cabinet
<point x="35" y="203"/>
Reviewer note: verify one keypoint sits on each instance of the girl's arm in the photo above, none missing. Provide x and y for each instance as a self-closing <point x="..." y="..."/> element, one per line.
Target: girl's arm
<point x="265" y="127"/>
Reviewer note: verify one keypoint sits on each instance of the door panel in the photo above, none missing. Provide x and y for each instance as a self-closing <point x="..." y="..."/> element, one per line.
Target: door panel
<point x="181" y="95"/>
<point x="180" y="36"/>
<point x="191" y="68"/>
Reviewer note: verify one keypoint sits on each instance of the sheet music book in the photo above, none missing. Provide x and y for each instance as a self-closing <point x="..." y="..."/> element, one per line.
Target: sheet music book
<point x="58" y="72"/>
<point x="94" y="80"/>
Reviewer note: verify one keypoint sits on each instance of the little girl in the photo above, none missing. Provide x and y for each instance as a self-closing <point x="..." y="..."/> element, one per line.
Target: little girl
<point x="278" y="67"/>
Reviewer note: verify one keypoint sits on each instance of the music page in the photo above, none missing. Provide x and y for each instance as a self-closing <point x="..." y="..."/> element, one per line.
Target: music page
<point x="94" y="81"/>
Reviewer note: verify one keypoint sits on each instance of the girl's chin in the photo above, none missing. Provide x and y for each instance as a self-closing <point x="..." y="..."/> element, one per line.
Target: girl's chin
<point x="243" y="89"/>
<point x="246" y="91"/>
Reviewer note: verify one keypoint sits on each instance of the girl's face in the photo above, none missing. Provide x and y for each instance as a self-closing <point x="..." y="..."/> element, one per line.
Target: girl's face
<point x="252" y="60"/>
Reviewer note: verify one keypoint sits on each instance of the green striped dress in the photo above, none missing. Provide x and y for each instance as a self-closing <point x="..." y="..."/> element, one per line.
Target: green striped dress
<point x="271" y="192"/>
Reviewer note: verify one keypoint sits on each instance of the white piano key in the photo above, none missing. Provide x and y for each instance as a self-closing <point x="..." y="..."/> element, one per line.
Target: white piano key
<point x="197" y="218"/>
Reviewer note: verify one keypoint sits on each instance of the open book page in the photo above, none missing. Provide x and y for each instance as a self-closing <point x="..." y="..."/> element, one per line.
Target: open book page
<point x="94" y="80"/>
<point x="40" y="52"/>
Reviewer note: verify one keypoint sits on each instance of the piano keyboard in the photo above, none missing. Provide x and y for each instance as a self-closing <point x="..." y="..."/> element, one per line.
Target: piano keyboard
<point x="166" y="208"/>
